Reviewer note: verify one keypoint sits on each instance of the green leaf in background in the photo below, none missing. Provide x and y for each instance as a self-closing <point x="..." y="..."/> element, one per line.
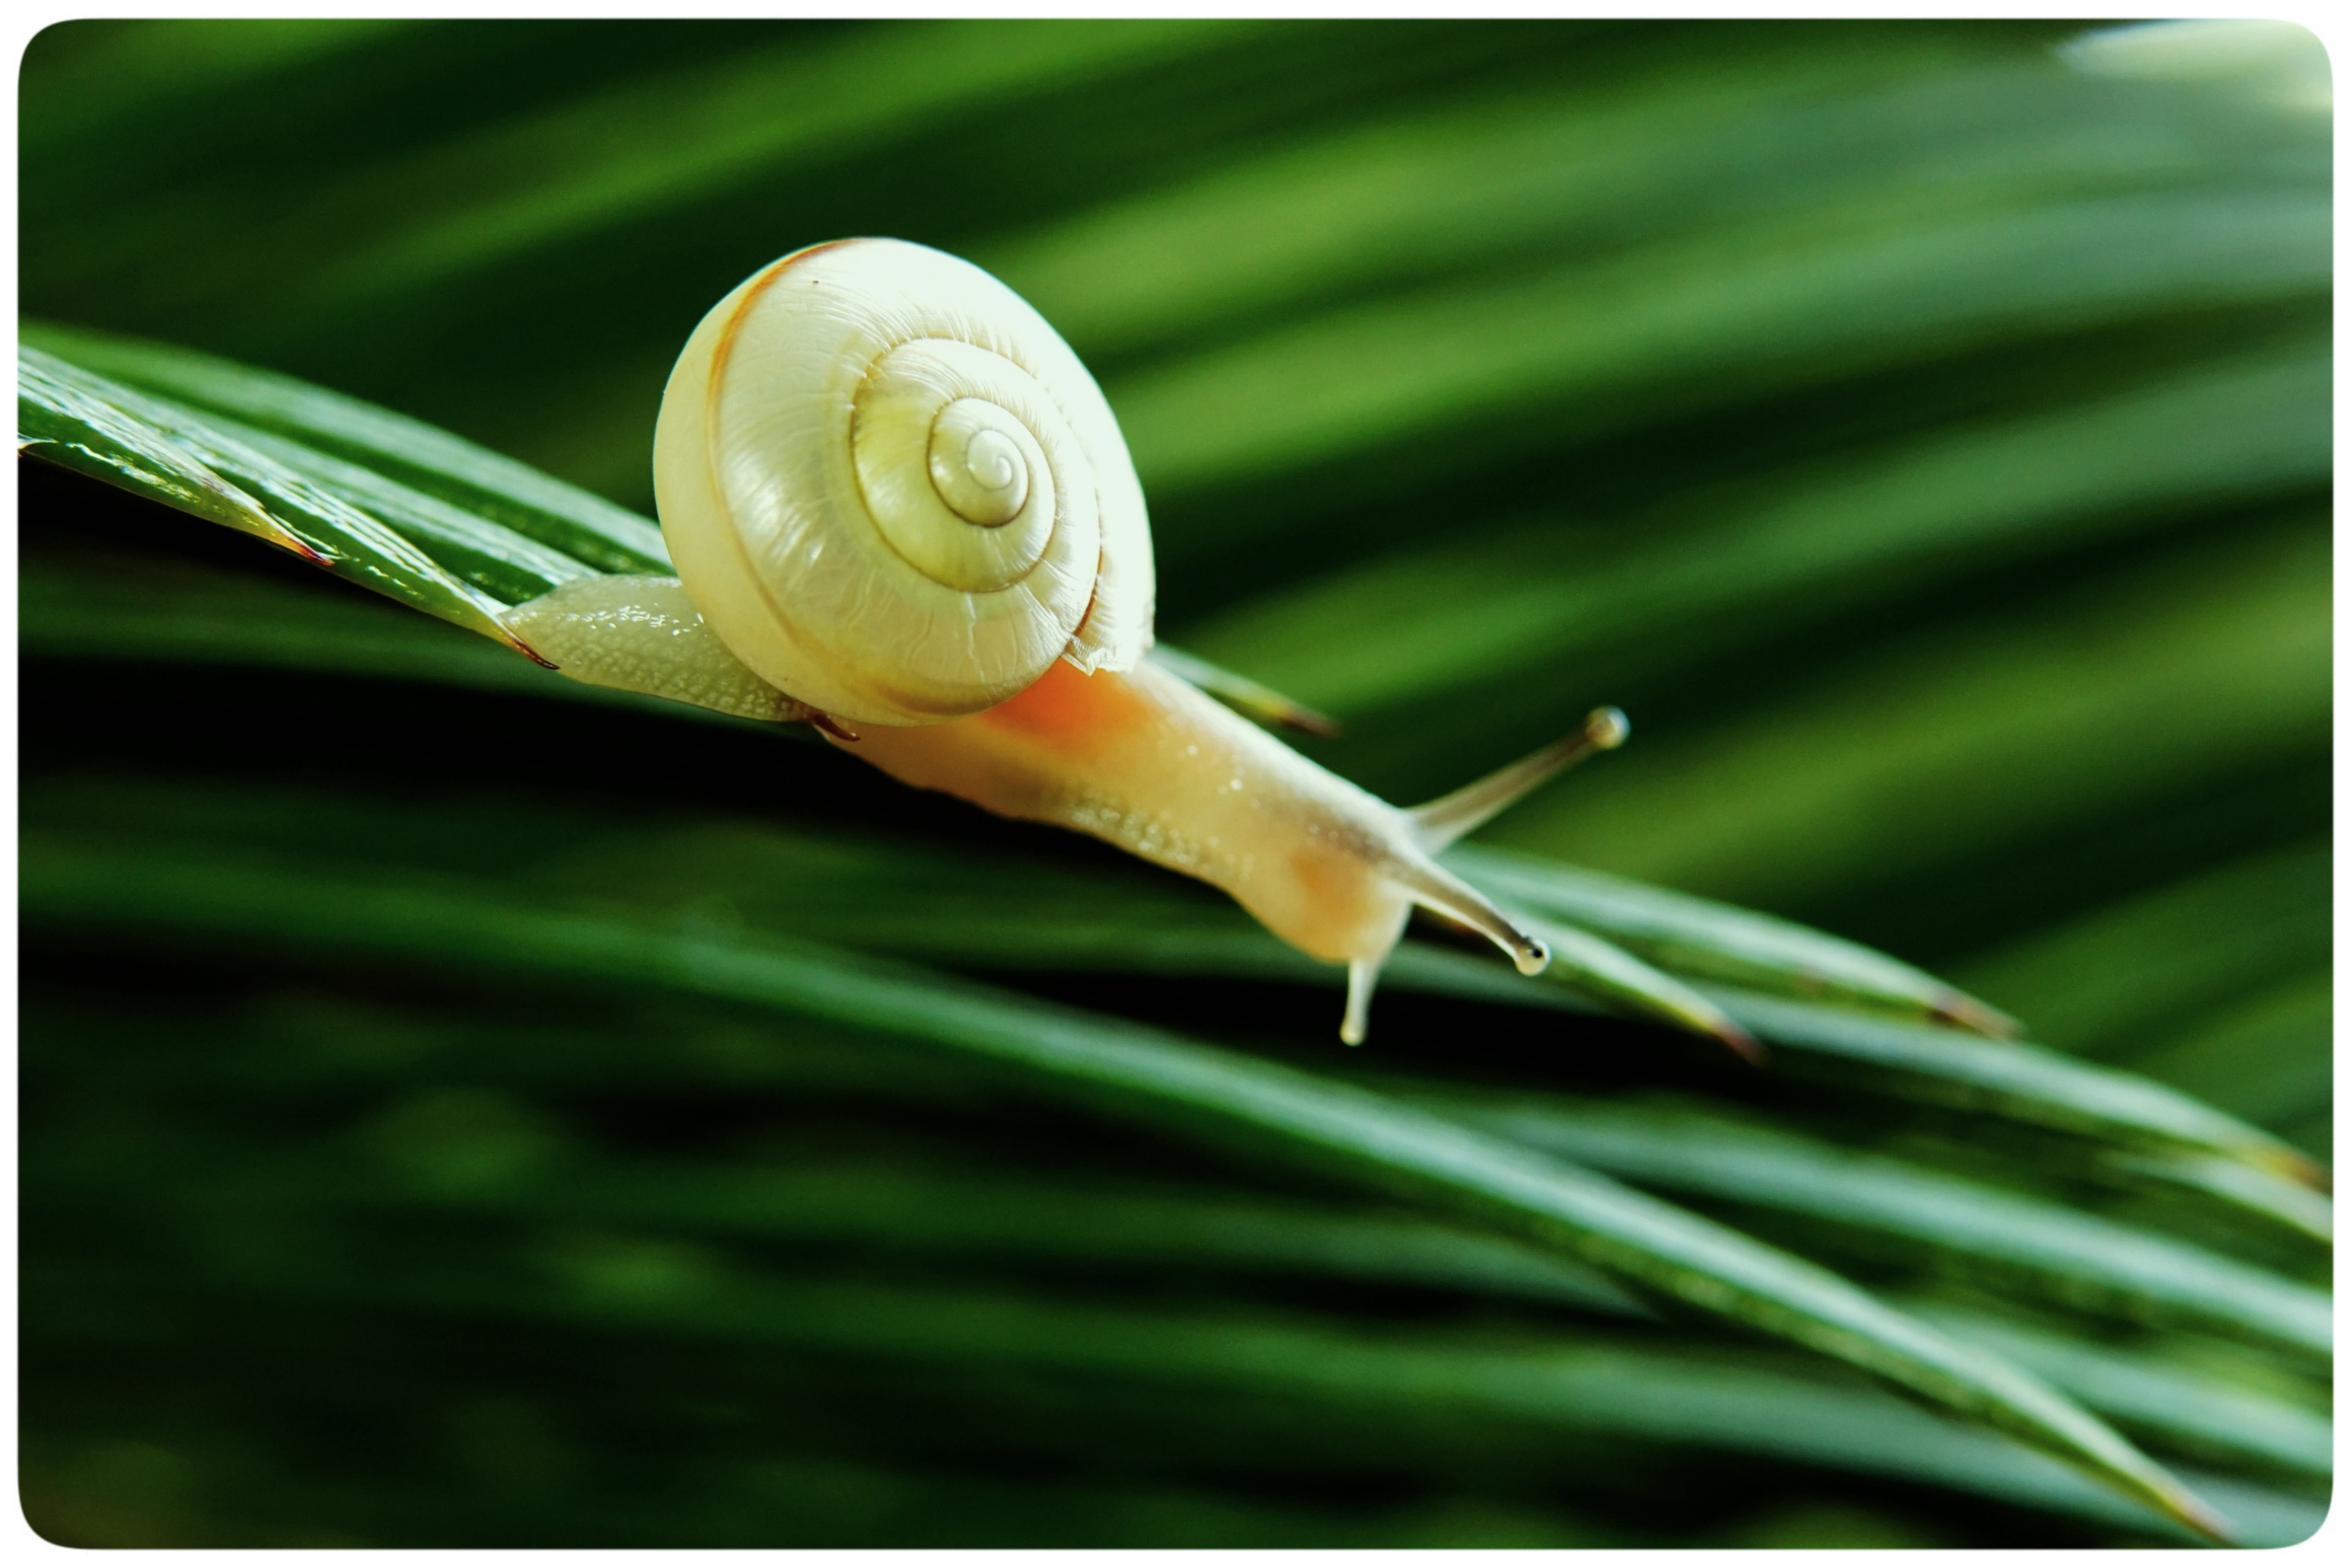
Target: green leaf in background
<point x="1614" y="1228"/>
<point x="2077" y="1258"/>
<point x="1716" y="942"/>
<point x="451" y="1117"/>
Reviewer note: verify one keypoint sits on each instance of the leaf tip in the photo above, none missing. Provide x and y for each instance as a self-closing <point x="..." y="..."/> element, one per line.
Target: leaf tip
<point x="2284" y="1160"/>
<point x="831" y="726"/>
<point x="2199" y="1516"/>
<point x="533" y="654"/>
<point x="1959" y="1007"/>
<point x="1745" y="1046"/>
<point x="1309" y="721"/>
<point x="286" y="539"/>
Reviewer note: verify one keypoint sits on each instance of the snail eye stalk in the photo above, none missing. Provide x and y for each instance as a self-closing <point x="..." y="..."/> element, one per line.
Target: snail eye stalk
<point x="1471" y="807"/>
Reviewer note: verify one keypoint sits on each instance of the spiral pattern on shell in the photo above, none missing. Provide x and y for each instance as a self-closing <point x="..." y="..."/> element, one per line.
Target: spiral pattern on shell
<point x="894" y="492"/>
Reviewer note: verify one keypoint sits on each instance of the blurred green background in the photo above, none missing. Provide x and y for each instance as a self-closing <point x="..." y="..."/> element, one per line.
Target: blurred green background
<point x="1921" y="431"/>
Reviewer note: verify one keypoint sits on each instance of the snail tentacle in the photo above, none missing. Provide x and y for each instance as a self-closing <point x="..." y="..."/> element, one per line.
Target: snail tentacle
<point x="1439" y="891"/>
<point x="1465" y="811"/>
<point x="1355" y="1024"/>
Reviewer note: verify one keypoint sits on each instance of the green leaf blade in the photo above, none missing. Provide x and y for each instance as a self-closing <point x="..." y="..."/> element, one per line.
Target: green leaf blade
<point x="171" y="454"/>
<point x="580" y="527"/>
<point x="1706" y="940"/>
<point x="1621" y="1232"/>
<point x="2074" y="1256"/>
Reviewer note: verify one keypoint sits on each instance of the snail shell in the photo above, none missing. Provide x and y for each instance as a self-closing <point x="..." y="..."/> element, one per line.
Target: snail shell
<point x="894" y="492"/>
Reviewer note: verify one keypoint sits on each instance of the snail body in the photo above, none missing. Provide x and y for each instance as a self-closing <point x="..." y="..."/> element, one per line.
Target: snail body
<point x="1152" y="764"/>
<point x="901" y="510"/>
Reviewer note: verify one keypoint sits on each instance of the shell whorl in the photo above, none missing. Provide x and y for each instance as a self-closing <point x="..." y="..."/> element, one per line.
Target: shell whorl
<point x="894" y="492"/>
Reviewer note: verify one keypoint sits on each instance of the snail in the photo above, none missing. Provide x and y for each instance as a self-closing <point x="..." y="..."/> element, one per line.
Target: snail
<point x="901" y="510"/>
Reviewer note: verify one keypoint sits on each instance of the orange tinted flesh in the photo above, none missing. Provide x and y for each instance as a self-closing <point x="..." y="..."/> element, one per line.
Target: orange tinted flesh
<point x="1148" y="762"/>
